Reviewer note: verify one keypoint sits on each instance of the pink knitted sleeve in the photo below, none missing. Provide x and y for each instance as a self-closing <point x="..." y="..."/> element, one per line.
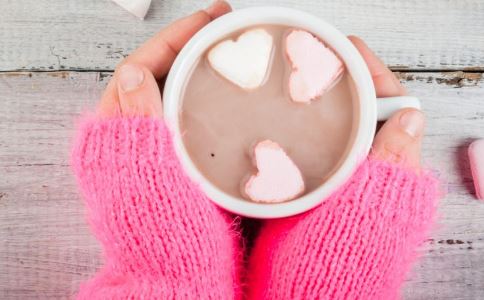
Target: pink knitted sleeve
<point x="162" y="238"/>
<point x="359" y="244"/>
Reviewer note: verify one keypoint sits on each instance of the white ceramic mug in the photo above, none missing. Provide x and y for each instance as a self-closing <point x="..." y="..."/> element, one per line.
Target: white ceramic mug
<point x="371" y="109"/>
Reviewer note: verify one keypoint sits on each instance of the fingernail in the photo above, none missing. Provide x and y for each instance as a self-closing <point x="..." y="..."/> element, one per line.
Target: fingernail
<point x="130" y="77"/>
<point x="412" y="122"/>
<point x="214" y="11"/>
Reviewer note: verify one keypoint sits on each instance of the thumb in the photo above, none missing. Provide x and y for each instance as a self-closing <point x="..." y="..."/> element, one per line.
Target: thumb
<point x="400" y="138"/>
<point x="138" y="91"/>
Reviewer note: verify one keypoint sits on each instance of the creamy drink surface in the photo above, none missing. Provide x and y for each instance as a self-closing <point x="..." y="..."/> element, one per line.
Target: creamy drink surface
<point x="221" y="122"/>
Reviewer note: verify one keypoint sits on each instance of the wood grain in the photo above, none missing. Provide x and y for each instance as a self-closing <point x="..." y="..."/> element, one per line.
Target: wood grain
<point x="46" y="248"/>
<point x="97" y="34"/>
<point x="453" y="267"/>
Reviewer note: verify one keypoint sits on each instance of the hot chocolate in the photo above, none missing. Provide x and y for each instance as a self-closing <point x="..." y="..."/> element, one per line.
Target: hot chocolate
<point x="221" y="122"/>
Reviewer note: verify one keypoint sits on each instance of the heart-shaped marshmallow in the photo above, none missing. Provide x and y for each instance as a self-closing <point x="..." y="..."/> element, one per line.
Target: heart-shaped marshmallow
<point x="315" y="67"/>
<point x="245" y="61"/>
<point x="278" y="179"/>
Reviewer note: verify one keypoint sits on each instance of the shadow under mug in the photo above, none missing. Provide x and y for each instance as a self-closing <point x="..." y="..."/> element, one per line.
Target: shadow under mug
<point x="370" y="108"/>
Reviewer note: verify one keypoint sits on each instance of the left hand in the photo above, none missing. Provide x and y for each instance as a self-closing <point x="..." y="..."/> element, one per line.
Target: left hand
<point x="133" y="90"/>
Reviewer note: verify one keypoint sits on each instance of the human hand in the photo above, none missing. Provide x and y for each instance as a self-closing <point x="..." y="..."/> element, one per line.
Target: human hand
<point x="133" y="90"/>
<point x="400" y="138"/>
<point x="360" y="242"/>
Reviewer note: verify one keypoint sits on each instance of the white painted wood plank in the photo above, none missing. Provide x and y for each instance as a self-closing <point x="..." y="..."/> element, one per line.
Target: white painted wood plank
<point x="453" y="267"/>
<point x="46" y="248"/>
<point x="96" y="34"/>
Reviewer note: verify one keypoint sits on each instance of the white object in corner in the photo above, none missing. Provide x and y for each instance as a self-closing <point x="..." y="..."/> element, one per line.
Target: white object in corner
<point x="138" y="8"/>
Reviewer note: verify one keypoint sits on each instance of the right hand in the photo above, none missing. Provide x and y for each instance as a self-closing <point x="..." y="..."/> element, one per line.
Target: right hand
<point x="400" y="138"/>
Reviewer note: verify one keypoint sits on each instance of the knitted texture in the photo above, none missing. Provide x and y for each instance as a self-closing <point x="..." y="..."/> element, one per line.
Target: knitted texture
<point x="359" y="244"/>
<point x="162" y="238"/>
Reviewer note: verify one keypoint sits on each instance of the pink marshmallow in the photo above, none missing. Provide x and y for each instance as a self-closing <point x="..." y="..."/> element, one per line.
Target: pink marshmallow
<point x="315" y="67"/>
<point x="476" y="159"/>
<point x="278" y="179"/>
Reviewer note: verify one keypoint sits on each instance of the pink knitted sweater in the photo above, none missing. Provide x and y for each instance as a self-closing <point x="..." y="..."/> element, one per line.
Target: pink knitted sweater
<point x="163" y="239"/>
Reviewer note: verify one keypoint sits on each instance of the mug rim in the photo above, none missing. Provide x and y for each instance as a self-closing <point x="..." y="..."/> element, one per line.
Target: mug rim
<point x="274" y="15"/>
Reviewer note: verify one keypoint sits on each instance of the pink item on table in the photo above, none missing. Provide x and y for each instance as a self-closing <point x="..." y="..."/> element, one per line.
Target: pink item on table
<point x="476" y="159"/>
<point x="278" y="178"/>
<point x="315" y="67"/>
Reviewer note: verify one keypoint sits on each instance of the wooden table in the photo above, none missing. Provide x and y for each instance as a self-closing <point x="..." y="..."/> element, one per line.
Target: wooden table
<point x="56" y="57"/>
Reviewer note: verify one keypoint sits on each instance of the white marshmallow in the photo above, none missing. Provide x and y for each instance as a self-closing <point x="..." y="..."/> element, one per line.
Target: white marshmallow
<point x="245" y="61"/>
<point x="139" y="8"/>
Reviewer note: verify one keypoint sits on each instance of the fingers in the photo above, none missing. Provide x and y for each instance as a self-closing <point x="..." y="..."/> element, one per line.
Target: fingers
<point x="109" y="104"/>
<point x="138" y="92"/>
<point x="218" y="8"/>
<point x="386" y="84"/>
<point x="159" y="52"/>
<point x="400" y="138"/>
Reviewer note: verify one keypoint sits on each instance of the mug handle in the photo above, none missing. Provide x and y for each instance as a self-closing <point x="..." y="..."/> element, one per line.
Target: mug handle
<point x="387" y="106"/>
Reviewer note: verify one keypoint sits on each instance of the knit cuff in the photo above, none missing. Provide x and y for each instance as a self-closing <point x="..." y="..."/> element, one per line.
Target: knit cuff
<point x="391" y="211"/>
<point x="398" y="194"/>
<point x="110" y="142"/>
<point x="160" y="233"/>
<point x="131" y="181"/>
<point x="358" y="244"/>
<point x="123" y="167"/>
